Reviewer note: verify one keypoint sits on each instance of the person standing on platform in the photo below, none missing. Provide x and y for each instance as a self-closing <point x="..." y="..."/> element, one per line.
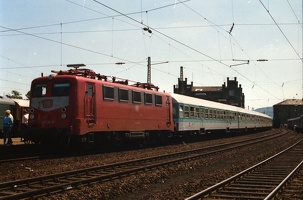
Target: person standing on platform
<point x="24" y="123"/>
<point x="7" y="127"/>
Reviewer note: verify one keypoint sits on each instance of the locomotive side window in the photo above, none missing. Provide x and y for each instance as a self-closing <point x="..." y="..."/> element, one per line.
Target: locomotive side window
<point x="148" y="98"/>
<point x="39" y="90"/>
<point x="90" y="90"/>
<point x="60" y="89"/>
<point x="123" y="95"/>
<point x="136" y="97"/>
<point x="108" y="93"/>
<point x="158" y="100"/>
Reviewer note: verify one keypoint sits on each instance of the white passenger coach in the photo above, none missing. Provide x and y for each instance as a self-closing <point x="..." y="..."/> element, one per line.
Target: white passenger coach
<point x="193" y="115"/>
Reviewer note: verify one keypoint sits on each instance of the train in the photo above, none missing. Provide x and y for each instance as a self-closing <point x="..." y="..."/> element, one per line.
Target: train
<point x="296" y="124"/>
<point x="80" y="106"/>
<point x="16" y="106"/>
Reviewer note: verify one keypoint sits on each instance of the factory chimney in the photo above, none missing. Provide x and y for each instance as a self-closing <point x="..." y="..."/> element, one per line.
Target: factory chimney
<point x="181" y="73"/>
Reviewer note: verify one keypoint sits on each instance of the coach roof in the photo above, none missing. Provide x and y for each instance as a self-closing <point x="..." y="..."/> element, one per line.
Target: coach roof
<point x="211" y="104"/>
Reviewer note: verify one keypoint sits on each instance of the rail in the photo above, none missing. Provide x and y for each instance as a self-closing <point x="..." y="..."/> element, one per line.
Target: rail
<point x="45" y="185"/>
<point x="225" y="183"/>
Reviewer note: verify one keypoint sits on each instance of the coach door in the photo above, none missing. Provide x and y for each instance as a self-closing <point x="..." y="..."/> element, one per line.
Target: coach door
<point x="89" y="104"/>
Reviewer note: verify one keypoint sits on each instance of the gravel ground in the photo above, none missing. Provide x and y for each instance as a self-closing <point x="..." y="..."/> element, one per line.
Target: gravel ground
<point x="176" y="182"/>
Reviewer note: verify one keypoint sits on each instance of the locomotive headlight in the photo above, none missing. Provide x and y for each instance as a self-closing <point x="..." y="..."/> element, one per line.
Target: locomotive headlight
<point x="31" y="116"/>
<point x="32" y="110"/>
<point x="63" y="115"/>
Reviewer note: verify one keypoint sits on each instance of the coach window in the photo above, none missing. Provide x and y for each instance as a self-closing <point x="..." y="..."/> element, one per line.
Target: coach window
<point x="202" y="112"/>
<point x="148" y="99"/>
<point x="197" y="112"/>
<point x="136" y="97"/>
<point x="158" y="100"/>
<point x="192" y="112"/>
<point x="186" y="111"/>
<point x="123" y="95"/>
<point x="39" y="90"/>
<point x="231" y="116"/>
<point x="210" y="116"/>
<point x="206" y="113"/>
<point x="108" y="93"/>
<point x="219" y="114"/>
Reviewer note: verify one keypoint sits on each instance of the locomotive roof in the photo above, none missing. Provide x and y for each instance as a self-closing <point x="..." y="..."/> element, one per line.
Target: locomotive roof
<point x="90" y="74"/>
<point x="211" y="104"/>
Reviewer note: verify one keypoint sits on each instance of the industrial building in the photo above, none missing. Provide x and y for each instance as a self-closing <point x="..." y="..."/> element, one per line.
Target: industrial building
<point x="229" y="93"/>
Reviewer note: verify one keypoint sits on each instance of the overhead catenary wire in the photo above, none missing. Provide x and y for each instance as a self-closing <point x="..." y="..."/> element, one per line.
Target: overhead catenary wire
<point x="229" y="32"/>
<point x="172" y="44"/>
<point x="281" y="30"/>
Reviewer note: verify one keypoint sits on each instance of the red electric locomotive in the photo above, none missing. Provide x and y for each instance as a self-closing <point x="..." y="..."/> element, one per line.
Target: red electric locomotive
<point x="80" y="105"/>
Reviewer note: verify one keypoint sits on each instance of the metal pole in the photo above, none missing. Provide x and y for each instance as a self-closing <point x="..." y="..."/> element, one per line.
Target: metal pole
<point x="148" y="70"/>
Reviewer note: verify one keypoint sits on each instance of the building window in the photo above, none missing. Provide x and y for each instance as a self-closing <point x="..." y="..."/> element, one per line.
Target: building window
<point x="231" y="93"/>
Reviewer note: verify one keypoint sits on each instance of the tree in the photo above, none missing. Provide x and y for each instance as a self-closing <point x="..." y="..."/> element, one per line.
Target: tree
<point x="28" y="94"/>
<point x="15" y="95"/>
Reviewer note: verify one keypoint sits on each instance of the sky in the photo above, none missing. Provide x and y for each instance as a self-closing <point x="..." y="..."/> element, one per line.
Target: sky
<point x="257" y="41"/>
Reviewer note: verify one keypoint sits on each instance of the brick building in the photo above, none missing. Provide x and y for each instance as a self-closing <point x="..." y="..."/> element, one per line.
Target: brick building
<point x="229" y="93"/>
<point x="287" y="109"/>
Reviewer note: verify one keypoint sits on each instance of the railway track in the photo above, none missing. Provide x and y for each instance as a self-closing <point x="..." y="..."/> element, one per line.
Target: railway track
<point x="35" y="156"/>
<point x="262" y="181"/>
<point x="46" y="185"/>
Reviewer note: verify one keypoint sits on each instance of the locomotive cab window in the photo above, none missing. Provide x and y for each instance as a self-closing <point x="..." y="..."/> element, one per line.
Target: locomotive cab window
<point x="60" y="89"/>
<point x="148" y="99"/>
<point x="136" y="97"/>
<point x="39" y="90"/>
<point x="123" y="95"/>
<point x="108" y="93"/>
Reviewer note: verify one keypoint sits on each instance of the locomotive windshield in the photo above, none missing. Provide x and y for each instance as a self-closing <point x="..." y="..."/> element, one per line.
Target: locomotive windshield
<point x="39" y="90"/>
<point x="60" y="89"/>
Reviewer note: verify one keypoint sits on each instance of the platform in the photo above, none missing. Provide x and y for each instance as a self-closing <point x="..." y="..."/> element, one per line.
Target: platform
<point x="16" y="141"/>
